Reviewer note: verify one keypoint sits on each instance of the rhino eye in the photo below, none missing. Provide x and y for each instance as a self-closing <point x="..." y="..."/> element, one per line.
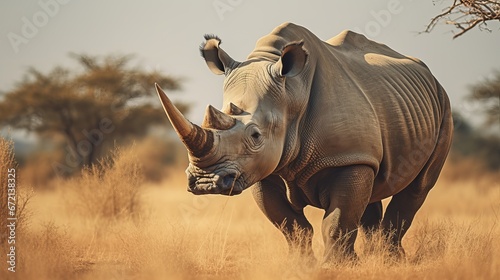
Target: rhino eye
<point x="254" y="140"/>
<point x="256" y="135"/>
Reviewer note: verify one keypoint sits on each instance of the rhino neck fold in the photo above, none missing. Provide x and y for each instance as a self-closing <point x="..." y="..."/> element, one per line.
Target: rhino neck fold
<point x="290" y="149"/>
<point x="298" y="90"/>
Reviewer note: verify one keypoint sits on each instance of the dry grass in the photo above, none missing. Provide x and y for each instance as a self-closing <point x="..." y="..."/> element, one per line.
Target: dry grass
<point x="176" y="235"/>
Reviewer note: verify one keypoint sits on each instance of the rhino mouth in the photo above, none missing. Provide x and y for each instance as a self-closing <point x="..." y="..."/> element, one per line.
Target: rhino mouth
<point x="224" y="183"/>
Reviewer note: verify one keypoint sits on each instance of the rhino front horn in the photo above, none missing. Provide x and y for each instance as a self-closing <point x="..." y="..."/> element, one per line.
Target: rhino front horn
<point x="198" y="141"/>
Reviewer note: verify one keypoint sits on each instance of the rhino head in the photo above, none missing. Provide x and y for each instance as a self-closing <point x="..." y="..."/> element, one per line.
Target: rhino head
<point x="242" y="144"/>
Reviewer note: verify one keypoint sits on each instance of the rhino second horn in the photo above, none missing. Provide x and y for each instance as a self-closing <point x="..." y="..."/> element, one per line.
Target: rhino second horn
<point x="217" y="120"/>
<point x="235" y="110"/>
<point x="197" y="140"/>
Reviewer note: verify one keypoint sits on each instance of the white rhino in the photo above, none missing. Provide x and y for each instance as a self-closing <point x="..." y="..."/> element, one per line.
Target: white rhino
<point x="339" y="125"/>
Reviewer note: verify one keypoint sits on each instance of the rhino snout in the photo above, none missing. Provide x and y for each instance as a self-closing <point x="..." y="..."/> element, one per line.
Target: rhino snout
<point x="225" y="184"/>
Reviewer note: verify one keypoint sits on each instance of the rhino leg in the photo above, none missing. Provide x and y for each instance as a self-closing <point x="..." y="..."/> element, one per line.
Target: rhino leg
<point x="270" y="195"/>
<point x="404" y="205"/>
<point x="347" y="192"/>
<point x="372" y="217"/>
<point x="400" y="213"/>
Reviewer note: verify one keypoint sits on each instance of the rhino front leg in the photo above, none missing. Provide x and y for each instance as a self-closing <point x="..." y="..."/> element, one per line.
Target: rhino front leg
<point x="270" y="195"/>
<point x="347" y="192"/>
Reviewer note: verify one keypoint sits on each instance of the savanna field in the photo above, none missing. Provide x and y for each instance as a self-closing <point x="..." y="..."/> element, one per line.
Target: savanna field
<point x="109" y="223"/>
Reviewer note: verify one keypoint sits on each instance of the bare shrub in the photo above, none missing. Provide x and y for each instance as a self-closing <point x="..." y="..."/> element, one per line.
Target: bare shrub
<point x="109" y="189"/>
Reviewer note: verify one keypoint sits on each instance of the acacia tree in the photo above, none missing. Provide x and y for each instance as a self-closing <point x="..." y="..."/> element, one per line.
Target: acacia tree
<point x="105" y="104"/>
<point x="467" y="14"/>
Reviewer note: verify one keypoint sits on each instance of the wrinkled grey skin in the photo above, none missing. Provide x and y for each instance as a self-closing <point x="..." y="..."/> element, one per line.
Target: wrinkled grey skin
<point x="339" y="125"/>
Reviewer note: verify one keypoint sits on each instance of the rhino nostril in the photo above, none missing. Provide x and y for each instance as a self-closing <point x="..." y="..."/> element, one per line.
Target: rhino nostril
<point x="228" y="180"/>
<point x="191" y="180"/>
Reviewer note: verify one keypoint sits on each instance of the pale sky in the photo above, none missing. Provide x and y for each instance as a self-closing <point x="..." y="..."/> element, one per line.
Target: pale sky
<point x="165" y="35"/>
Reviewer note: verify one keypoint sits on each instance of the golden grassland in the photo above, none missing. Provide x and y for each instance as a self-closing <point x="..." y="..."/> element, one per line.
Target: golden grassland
<point x="108" y="224"/>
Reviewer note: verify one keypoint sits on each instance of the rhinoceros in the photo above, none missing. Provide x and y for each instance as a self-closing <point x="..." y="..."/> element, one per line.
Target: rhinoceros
<point x="338" y="124"/>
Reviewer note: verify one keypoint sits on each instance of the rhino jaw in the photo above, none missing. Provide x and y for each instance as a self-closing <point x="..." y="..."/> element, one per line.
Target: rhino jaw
<point x="224" y="182"/>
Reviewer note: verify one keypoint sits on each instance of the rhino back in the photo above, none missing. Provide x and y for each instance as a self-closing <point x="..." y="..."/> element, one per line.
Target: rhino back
<point x="403" y="97"/>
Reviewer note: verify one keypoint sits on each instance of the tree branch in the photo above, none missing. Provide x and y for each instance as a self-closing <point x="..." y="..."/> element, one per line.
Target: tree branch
<point x="467" y="14"/>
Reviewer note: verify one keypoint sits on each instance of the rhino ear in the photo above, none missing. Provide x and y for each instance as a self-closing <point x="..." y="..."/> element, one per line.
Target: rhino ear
<point x="292" y="61"/>
<point x="217" y="59"/>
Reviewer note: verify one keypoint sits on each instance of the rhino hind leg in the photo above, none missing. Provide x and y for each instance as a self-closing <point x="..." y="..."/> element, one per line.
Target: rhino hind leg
<point x="270" y="195"/>
<point x="404" y="205"/>
<point x="399" y="216"/>
<point x="372" y="217"/>
<point x="400" y="213"/>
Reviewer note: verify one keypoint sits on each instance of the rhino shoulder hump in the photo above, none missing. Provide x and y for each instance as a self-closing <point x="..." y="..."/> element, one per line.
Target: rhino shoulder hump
<point x="348" y="37"/>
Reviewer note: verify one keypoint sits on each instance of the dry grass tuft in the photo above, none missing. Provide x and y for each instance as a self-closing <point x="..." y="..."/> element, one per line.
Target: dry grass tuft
<point x="108" y="190"/>
<point x="48" y="254"/>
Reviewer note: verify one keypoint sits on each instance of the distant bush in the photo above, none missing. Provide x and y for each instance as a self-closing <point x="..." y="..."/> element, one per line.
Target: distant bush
<point x="154" y="153"/>
<point x="157" y="154"/>
<point x="468" y="142"/>
<point x="37" y="169"/>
